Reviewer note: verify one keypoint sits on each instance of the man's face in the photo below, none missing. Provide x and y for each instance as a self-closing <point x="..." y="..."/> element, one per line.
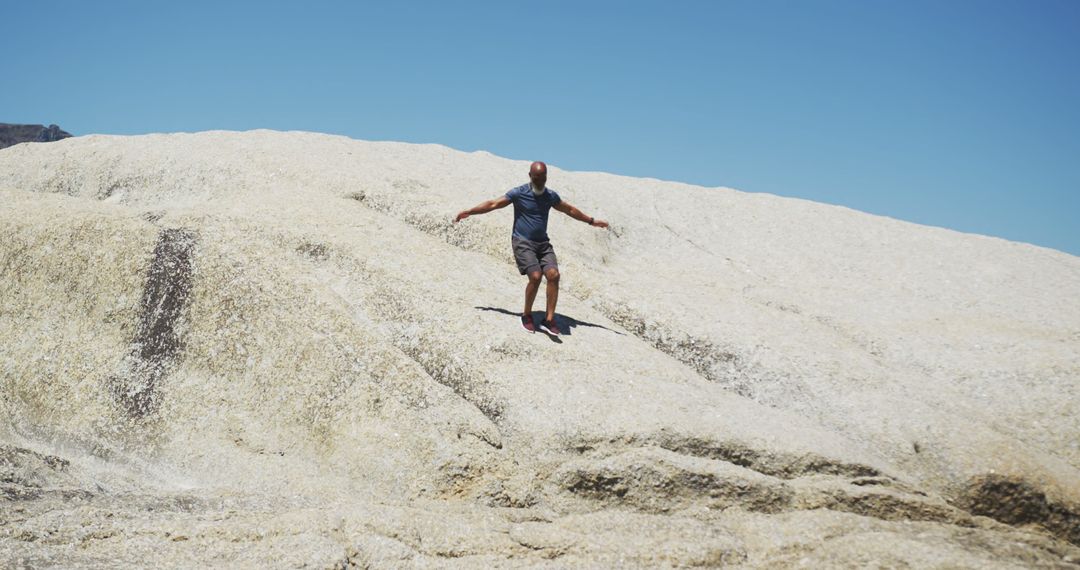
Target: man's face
<point x="538" y="174"/>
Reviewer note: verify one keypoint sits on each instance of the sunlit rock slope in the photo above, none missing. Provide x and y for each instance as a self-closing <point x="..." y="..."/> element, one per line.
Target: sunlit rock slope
<point x="272" y="348"/>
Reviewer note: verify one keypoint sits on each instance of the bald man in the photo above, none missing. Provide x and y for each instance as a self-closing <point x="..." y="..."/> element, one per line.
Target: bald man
<point x="532" y="249"/>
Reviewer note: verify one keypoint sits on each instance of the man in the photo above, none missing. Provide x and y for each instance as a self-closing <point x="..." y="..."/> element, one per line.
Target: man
<point x="532" y="249"/>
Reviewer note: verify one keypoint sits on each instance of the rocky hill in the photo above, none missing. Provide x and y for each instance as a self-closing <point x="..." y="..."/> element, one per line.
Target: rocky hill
<point x="15" y="134"/>
<point x="273" y="348"/>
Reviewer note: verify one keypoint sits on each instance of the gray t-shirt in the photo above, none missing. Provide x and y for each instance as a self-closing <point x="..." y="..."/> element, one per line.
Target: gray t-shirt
<point x="531" y="211"/>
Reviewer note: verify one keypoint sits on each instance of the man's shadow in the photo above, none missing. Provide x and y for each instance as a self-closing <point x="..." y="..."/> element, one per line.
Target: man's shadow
<point x="565" y="322"/>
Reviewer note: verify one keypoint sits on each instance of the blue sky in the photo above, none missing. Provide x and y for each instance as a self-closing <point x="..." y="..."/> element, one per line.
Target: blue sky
<point x="961" y="114"/>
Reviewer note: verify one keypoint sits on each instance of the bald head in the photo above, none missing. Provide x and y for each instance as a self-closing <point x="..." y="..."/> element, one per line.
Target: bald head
<point x="538" y="174"/>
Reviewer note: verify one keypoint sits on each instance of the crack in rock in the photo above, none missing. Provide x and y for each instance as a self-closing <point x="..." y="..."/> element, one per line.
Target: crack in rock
<point x="773" y="464"/>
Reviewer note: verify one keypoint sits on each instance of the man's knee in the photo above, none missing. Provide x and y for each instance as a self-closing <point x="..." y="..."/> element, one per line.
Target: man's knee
<point x="552" y="275"/>
<point x="534" y="277"/>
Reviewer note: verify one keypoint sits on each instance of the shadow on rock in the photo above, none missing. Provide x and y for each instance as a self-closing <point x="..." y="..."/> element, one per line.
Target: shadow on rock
<point x="566" y="323"/>
<point x="1014" y="501"/>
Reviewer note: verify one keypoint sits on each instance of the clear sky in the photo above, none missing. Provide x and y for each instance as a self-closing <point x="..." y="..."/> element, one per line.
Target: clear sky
<point x="962" y="114"/>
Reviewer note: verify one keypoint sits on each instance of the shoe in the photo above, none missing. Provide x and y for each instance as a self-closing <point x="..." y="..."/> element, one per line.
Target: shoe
<point x="527" y="323"/>
<point x="550" y="328"/>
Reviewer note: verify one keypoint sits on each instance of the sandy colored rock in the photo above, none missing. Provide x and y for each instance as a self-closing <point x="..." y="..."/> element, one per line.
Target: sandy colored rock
<point x="276" y="349"/>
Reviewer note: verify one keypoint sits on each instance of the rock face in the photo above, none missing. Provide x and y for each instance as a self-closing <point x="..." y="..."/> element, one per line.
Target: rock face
<point x="275" y="348"/>
<point x="15" y="134"/>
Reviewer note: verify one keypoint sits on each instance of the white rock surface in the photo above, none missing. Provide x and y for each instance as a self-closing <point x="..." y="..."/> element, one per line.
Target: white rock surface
<point x="272" y="348"/>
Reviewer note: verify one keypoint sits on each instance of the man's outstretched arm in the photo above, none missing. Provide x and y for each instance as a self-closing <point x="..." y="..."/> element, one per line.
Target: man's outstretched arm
<point x="483" y="208"/>
<point x="568" y="209"/>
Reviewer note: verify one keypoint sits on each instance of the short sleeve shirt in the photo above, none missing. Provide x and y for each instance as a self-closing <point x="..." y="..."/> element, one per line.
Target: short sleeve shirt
<point x="531" y="211"/>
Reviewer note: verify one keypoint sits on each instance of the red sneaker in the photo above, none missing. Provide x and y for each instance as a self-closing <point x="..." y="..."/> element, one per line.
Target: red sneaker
<point x="550" y="327"/>
<point x="527" y="323"/>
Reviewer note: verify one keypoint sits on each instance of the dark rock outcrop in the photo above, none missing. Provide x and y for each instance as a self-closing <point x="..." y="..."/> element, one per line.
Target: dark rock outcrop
<point x="15" y="134"/>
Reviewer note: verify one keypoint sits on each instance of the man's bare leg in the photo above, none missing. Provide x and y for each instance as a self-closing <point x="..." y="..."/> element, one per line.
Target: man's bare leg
<point x="552" y="275"/>
<point x="530" y="291"/>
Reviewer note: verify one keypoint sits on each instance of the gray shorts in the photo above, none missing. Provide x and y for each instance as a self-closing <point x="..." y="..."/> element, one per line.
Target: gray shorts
<point x="533" y="255"/>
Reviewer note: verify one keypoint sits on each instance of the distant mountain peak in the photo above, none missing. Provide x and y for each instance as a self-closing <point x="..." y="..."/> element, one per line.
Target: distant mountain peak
<point x="14" y="134"/>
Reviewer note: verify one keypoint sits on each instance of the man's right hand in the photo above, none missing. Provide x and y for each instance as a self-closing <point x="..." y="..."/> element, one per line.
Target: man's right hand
<point x="483" y="208"/>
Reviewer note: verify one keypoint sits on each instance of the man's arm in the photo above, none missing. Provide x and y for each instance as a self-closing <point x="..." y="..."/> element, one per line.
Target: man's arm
<point x="483" y="208"/>
<point x="568" y="209"/>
